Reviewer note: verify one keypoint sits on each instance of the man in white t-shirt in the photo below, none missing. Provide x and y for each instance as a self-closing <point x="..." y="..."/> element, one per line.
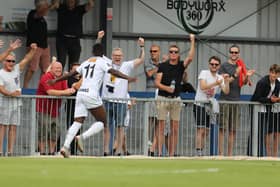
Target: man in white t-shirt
<point x="114" y="87"/>
<point x="209" y="83"/>
<point x="88" y="97"/>
<point x="9" y="90"/>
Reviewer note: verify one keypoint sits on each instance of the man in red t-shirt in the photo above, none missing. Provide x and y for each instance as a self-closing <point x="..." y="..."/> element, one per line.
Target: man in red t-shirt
<point x="48" y="108"/>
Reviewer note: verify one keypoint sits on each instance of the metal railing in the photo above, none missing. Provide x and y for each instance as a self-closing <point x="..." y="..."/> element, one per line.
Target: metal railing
<point x="250" y="138"/>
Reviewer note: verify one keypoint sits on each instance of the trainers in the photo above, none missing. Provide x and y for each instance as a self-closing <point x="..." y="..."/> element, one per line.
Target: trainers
<point x="151" y="153"/>
<point x="80" y="144"/>
<point x="199" y="153"/>
<point x="64" y="152"/>
<point x="127" y="153"/>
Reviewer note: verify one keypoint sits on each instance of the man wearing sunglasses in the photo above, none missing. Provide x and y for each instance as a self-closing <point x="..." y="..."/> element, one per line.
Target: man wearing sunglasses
<point x="209" y="83"/>
<point x="9" y="90"/>
<point x="168" y="81"/>
<point x="151" y="67"/>
<point x="230" y="114"/>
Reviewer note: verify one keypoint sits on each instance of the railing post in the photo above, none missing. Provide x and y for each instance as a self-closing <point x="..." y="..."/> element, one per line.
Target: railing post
<point x="146" y="127"/>
<point x="33" y="127"/>
<point x="255" y="130"/>
<point x="214" y="138"/>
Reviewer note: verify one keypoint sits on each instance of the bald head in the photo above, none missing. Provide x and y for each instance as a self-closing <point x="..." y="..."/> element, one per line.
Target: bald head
<point x="56" y="69"/>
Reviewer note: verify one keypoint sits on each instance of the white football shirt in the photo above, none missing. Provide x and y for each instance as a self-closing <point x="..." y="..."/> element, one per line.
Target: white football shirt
<point x="92" y="71"/>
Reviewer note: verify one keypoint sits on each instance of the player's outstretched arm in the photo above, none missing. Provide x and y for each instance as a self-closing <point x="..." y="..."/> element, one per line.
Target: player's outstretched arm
<point x="63" y="77"/>
<point x="121" y="75"/>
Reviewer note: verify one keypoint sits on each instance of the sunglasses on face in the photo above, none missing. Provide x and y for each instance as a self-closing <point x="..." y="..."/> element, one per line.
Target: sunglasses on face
<point x="13" y="61"/>
<point x="234" y="52"/>
<point x="174" y="52"/>
<point x="213" y="64"/>
<point x="153" y="51"/>
<point x="117" y="55"/>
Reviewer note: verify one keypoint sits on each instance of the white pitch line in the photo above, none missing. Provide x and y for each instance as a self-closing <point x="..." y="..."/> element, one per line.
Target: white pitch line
<point x="160" y="172"/>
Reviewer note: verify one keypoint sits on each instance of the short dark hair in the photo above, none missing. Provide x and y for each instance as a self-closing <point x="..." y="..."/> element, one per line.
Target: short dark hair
<point x="74" y="64"/>
<point x="174" y="46"/>
<point x="234" y="46"/>
<point x="215" y="58"/>
<point x="274" y="68"/>
<point x="97" y="50"/>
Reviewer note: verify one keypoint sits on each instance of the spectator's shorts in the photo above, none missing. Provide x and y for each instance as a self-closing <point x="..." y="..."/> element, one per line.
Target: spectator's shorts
<point x="229" y="116"/>
<point x="274" y="122"/>
<point x="152" y="109"/>
<point x="48" y="127"/>
<point x="173" y="107"/>
<point x="10" y="116"/>
<point x="116" y="113"/>
<point x="202" y="119"/>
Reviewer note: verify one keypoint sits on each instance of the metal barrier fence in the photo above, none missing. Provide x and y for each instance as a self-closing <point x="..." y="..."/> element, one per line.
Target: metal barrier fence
<point x="251" y="138"/>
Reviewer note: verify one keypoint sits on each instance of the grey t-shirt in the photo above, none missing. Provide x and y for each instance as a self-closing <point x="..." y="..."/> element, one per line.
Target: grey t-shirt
<point x="150" y="81"/>
<point x="234" y="92"/>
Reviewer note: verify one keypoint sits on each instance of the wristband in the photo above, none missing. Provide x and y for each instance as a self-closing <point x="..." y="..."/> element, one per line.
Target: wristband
<point x="141" y="46"/>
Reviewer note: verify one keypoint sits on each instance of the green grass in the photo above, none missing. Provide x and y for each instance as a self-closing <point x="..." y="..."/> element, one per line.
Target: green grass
<point x="100" y="172"/>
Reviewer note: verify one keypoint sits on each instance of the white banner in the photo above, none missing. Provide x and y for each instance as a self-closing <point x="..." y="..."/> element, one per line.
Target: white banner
<point x="206" y="17"/>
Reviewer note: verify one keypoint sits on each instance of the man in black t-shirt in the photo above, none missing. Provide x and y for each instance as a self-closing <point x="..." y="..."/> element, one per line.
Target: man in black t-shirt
<point x="168" y="81"/>
<point x="70" y="29"/>
<point x="37" y="32"/>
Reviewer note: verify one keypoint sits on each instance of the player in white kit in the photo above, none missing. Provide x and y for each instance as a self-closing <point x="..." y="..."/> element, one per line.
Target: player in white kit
<point x="88" y="97"/>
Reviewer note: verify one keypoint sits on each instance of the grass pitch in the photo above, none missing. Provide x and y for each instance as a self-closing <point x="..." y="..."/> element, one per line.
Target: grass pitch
<point x="122" y="172"/>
